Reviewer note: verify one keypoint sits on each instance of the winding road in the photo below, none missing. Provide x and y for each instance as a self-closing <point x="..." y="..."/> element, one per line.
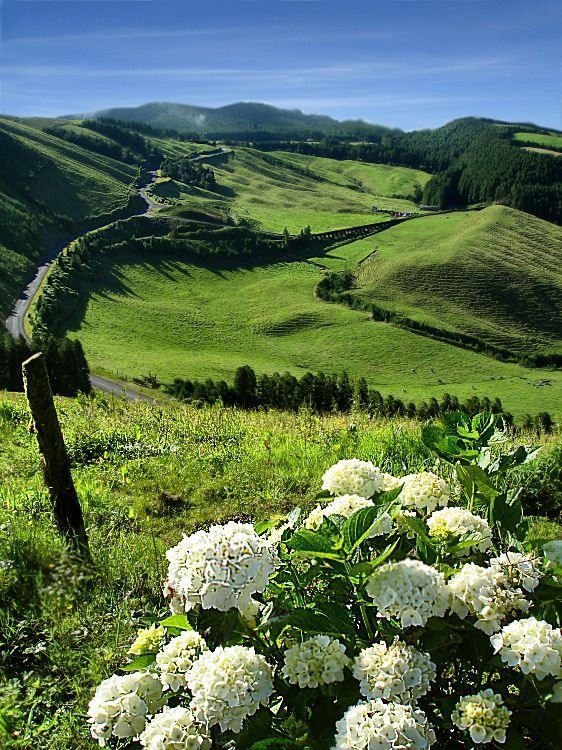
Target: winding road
<point x="16" y="318"/>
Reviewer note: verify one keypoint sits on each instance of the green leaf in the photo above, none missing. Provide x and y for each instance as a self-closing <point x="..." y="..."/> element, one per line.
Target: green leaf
<point x="361" y="524"/>
<point x="177" y="621"/>
<point x="325" y="617"/>
<point x="284" y="743"/>
<point x="140" y="663"/>
<point x="313" y="544"/>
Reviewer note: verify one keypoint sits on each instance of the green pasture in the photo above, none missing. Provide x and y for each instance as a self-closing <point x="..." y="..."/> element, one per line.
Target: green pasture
<point x="495" y="274"/>
<point x="197" y="320"/>
<point x="541" y="139"/>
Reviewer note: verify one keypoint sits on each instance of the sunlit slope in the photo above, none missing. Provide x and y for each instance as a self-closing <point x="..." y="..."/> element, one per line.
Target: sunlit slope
<point x="205" y="320"/>
<point x="271" y="191"/>
<point x="495" y="274"/>
<point x="47" y="188"/>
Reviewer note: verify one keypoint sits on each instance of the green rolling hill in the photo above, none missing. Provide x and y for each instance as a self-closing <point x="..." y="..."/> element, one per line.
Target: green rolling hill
<point x="495" y="274"/>
<point x="48" y="189"/>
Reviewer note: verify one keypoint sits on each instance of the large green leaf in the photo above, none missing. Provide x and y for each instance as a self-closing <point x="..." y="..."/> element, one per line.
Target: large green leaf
<point x="326" y="617"/>
<point x="177" y="621"/>
<point x="140" y="663"/>
<point x="313" y="544"/>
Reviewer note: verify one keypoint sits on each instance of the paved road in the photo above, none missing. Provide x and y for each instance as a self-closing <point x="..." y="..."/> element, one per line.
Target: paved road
<point x="15" y="320"/>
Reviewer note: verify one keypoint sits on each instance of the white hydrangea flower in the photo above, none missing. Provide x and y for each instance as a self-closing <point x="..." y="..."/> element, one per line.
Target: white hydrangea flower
<point x="148" y="640"/>
<point x="531" y="645"/>
<point x="353" y="477"/>
<point x="557" y="693"/>
<point x="177" y="658"/>
<point x="553" y="551"/>
<point x="346" y="506"/>
<point x="121" y="704"/>
<point x="376" y="725"/>
<point x="175" y="729"/>
<point x="398" y="672"/>
<point x="424" y="491"/>
<point x="483" y="715"/>
<point x="452" y="522"/>
<point x="228" y="685"/>
<point x="220" y="568"/>
<point x="519" y="569"/>
<point x="390" y="482"/>
<point x="487" y="594"/>
<point x="408" y="590"/>
<point x="317" y="661"/>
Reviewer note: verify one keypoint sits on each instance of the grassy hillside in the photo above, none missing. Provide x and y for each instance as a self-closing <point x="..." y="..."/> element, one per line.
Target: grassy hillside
<point x="145" y="476"/>
<point x="495" y="274"/>
<point x="541" y="139"/>
<point x="274" y="191"/>
<point x="204" y="318"/>
<point x="48" y="188"/>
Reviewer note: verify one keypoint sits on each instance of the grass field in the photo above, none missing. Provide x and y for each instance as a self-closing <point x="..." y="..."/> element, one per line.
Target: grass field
<point x="205" y="320"/>
<point x="274" y="191"/>
<point x="495" y="274"/>
<point x="47" y="187"/>
<point x="541" y="139"/>
<point x="144" y="477"/>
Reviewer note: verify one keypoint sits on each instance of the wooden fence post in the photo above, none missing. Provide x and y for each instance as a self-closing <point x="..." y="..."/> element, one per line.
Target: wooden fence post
<point x="56" y="464"/>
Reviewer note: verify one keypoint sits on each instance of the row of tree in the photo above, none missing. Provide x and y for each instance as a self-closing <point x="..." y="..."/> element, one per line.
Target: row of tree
<point x="320" y="392"/>
<point x="187" y="171"/>
<point x="65" y="359"/>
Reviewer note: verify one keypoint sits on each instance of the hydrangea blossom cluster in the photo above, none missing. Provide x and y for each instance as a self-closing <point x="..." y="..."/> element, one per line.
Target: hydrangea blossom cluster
<point x="317" y="661"/>
<point x="376" y="725"/>
<point x="121" y="705"/>
<point x="175" y="729"/>
<point x="424" y="492"/>
<point x="390" y="482"/>
<point x="483" y="715"/>
<point x="531" y="645"/>
<point x="177" y="658"/>
<point x="409" y="590"/>
<point x="148" y="640"/>
<point x="553" y="552"/>
<point x="450" y="523"/>
<point x="220" y="568"/>
<point x="519" y="569"/>
<point x="485" y="593"/>
<point x="397" y="672"/>
<point x="228" y="685"/>
<point x="353" y="477"/>
<point x="346" y="506"/>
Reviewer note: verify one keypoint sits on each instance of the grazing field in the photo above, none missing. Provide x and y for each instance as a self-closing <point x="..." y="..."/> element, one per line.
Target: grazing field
<point x="541" y="139"/>
<point x="495" y="274"/>
<point x="144" y="477"/>
<point x="205" y="319"/>
<point x="274" y="191"/>
<point x="47" y="188"/>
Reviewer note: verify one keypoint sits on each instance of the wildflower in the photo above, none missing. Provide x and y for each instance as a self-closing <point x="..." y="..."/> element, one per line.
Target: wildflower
<point x="122" y="703"/>
<point x="408" y="590"/>
<point x="531" y="645"/>
<point x="177" y="657"/>
<point x="353" y="477"/>
<point x="377" y="725"/>
<point x="175" y="729"/>
<point x="317" y="661"/>
<point x="483" y="715"/>
<point x="397" y="672"/>
<point x="424" y="492"/>
<point x="228" y="685"/>
<point x="450" y="523"/>
<point x="220" y="568"/>
<point x="148" y="640"/>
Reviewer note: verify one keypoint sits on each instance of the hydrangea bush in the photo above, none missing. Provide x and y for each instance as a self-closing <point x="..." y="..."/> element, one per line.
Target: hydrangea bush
<point x="401" y="613"/>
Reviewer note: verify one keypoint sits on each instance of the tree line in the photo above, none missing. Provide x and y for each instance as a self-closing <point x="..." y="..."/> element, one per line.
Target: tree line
<point x="187" y="171"/>
<point x="338" y="287"/>
<point x="326" y="393"/>
<point x="66" y="363"/>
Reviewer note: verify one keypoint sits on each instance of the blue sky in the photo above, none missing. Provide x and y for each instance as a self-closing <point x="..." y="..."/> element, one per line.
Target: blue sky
<point x="404" y="63"/>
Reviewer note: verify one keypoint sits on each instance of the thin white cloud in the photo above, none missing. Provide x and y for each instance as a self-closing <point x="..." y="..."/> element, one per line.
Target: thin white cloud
<point x="114" y="35"/>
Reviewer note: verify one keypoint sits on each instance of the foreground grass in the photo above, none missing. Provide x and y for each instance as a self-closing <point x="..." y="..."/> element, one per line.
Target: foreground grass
<point x="495" y="274"/>
<point x="205" y="320"/>
<point x="146" y="475"/>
